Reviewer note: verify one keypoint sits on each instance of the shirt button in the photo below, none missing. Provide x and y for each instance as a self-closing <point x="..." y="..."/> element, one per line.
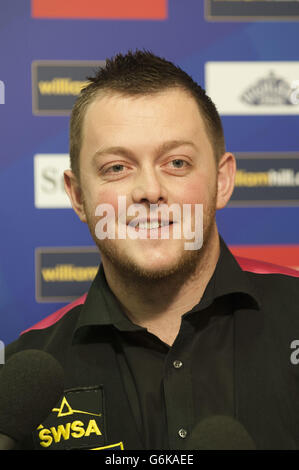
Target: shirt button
<point x="182" y="433"/>
<point x="177" y="364"/>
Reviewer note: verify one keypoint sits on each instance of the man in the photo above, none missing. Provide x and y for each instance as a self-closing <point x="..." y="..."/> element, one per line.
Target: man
<point x="168" y="335"/>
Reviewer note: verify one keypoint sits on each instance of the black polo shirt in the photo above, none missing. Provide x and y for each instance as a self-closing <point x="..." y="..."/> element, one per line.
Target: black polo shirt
<point x="143" y="393"/>
<point x="173" y="388"/>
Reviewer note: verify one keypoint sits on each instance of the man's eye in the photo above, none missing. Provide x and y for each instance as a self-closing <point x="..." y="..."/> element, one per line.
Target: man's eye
<point x="179" y="163"/>
<point x="115" y="168"/>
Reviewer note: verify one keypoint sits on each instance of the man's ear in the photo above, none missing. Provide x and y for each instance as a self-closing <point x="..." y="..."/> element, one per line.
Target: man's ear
<point x="225" y="179"/>
<point x="73" y="189"/>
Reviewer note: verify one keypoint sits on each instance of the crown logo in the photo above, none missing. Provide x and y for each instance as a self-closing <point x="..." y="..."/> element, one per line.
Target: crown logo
<point x="268" y="91"/>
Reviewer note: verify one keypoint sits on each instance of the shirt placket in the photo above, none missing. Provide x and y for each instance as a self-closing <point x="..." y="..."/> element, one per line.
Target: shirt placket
<point x="178" y="388"/>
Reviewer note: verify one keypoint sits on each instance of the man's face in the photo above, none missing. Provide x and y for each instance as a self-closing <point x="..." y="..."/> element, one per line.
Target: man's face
<point x="152" y="150"/>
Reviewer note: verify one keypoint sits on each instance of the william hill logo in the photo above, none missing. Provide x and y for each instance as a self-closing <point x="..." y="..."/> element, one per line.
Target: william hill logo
<point x="266" y="179"/>
<point x="270" y="90"/>
<point x="77" y="422"/>
<point x="61" y="86"/>
<point x="69" y="273"/>
<point x="64" y="273"/>
<point x="56" y="84"/>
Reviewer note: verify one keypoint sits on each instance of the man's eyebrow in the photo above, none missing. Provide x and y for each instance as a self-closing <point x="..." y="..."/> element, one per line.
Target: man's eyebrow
<point x="164" y="147"/>
<point x="172" y="144"/>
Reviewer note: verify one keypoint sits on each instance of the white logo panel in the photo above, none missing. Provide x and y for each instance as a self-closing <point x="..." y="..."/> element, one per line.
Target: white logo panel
<point x="253" y="88"/>
<point x="49" y="192"/>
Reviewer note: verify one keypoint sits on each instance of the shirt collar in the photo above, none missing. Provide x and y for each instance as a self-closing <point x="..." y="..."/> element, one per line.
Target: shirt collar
<point x="101" y="307"/>
<point x="229" y="278"/>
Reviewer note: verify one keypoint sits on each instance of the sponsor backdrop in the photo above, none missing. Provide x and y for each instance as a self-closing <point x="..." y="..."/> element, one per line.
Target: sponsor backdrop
<point x="245" y="53"/>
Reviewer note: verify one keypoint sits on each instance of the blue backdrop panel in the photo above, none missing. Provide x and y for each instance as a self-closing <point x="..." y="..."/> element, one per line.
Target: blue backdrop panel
<point x="186" y="37"/>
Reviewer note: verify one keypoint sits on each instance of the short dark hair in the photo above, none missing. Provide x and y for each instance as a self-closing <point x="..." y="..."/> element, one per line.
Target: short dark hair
<point x="142" y="73"/>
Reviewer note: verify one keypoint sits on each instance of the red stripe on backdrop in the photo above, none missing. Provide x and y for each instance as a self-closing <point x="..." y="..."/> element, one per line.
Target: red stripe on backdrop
<point x="284" y="255"/>
<point x="104" y="9"/>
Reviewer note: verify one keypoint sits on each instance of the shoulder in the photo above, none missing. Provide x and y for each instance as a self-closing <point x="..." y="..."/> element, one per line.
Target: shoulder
<point x="279" y="301"/>
<point x="52" y="332"/>
<point x="277" y="286"/>
<point x="269" y="276"/>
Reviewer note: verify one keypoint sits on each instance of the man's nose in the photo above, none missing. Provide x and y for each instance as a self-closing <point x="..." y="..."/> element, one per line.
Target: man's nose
<point x="148" y="188"/>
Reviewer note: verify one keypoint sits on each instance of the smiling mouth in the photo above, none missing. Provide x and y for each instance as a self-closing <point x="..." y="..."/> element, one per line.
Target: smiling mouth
<point x="152" y="225"/>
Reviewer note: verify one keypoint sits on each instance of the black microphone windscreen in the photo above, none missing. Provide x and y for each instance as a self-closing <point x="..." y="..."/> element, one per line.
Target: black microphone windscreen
<point x="219" y="433"/>
<point x="31" y="383"/>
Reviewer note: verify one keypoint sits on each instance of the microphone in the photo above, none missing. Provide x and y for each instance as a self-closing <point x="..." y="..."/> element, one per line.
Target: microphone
<point x="31" y="383"/>
<point x="219" y="433"/>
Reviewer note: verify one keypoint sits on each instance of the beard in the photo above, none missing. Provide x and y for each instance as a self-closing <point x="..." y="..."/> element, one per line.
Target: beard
<point x="184" y="267"/>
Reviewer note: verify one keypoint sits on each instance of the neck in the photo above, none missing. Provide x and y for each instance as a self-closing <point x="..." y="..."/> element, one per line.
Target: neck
<point x="149" y="302"/>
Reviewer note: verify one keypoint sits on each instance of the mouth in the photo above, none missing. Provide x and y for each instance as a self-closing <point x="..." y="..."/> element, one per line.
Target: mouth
<point x="147" y="227"/>
<point x="152" y="225"/>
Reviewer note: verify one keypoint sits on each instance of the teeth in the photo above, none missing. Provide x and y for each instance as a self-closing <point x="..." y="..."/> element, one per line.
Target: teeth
<point x="147" y="225"/>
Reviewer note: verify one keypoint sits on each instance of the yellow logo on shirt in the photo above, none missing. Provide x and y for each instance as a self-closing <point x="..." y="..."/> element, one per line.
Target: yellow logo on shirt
<point x="72" y="429"/>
